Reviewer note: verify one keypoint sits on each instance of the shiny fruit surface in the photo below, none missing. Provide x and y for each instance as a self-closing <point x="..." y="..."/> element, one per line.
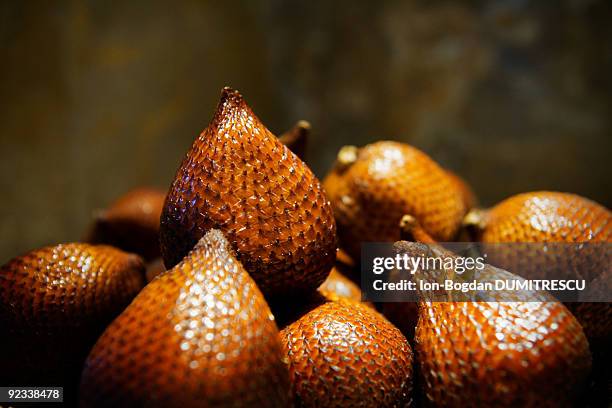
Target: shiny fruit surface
<point x="55" y="302"/>
<point x="200" y="334"/>
<point x="238" y="177"/>
<point x="346" y="354"/>
<point x="371" y="188"/>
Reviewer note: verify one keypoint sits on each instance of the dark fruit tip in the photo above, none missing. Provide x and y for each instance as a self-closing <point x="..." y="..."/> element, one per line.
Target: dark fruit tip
<point x="475" y="218"/>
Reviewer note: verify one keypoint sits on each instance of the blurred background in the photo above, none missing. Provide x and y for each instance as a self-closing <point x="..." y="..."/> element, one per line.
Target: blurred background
<point x="98" y="97"/>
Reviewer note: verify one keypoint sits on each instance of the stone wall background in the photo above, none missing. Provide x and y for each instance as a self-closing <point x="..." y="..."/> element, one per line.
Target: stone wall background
<point x="99" y="97"/>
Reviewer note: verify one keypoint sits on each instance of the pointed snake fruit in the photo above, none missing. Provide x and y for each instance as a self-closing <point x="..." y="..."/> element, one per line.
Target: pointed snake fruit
<point x="296" y="138"/>
<point x="345" y="354"/>
<point x="54" y="303"/>
<point x="512" y="353"/>
<point x="200" y="334"/>
<point x="238" y="177"/>
<point x="371" y="188"/>
<point x="550" y="217"/>
<point x="131" y="223"/>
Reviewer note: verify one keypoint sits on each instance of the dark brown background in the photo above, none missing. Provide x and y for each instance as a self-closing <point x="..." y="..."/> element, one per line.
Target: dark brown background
<point x="99" y="97"/>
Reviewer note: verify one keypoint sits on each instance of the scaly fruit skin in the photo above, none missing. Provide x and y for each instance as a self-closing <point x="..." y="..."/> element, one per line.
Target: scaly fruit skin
<point x="467" y="194"/>
<point x="131" y="223"/>
<point x="239" y="178"/>
<point x="54" y="303"/>
<point x="200" y="334"/>
<point x="544" y="217"/>
<point x="500" y="354"/>
<point x="345" y="354"/>
<point x="371" y="191"/>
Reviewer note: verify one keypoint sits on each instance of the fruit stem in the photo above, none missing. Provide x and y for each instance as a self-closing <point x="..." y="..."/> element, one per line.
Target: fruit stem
<point x="347" y="155"/>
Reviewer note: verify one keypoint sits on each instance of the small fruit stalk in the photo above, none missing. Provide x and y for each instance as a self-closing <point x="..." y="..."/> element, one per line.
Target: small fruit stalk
<point x="200" y="334"/>
<point x="551" y="217"/>
<point x="345" y="354"/>
<point x="510" y="350"/>
<point x="296" y="138"/>
<point x="238" y="177"/>
<point x="371" y="188"/>
<point x="54" y="303"/>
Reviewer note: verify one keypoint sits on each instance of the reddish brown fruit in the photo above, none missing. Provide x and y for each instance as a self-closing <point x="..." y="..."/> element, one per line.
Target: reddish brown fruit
<point x="546" y="216"/>
<point x="239" y="178"/>
<point x="373" y="187"/>
<point x="345" y="354"/>
<point x="500" y="353"/>
<point x="198" y="335"/>
<point x="54" y="303"/>
<point x="296" y="138"/>
<point x="131" y="223"/>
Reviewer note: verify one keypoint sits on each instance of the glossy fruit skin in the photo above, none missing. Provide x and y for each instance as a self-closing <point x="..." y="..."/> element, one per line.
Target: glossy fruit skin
<point x="386" y="181"/>
<point x="54" y="303"/>
<point x="500" y="354"/>
<point x="200" y="334"/>
<point x="131" y="223"/>
<point x="546" y="216"/>
<point x="345" y="354"/>
<point x="501" y="349"/>
<point x="239" y="178"/>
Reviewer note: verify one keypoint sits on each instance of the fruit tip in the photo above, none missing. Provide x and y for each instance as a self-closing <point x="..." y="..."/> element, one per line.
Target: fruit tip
<point x="475" y="218"/>
<point x="347" y="155"/>
<point x="212" y="236"/>
<point x="303" y="124"/>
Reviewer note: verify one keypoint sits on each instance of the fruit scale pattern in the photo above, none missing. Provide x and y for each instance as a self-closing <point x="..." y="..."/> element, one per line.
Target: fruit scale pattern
<point x="239" y="178"/>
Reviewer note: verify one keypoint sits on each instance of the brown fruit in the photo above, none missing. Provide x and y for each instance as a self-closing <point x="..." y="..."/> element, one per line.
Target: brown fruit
<point x="337" y="286"/>
<point x="239" y="178"/>
<point x="545" y="217"/>
<point x="131" y="223"/>
<point x="345" y="354"/>
<point x="296" y="138"/>
<point x="198" y="335"/>
<point x="54" y="303"/>
<point x="503" y="352"/>
<point x="371" y="188"/>
<point x="467" y="194"/>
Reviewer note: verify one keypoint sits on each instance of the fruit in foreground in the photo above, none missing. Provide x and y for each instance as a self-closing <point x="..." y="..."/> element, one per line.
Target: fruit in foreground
<point x="343" y="354"/>
<point x="131" y="223"/>
<point x="371" y="188"/>
<point x="559" y="218"/>
<point x="200" y="334"/>
<point x="238" y="177"/>
<point x="54" y="303"/>
<point x="513" y="350"/>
